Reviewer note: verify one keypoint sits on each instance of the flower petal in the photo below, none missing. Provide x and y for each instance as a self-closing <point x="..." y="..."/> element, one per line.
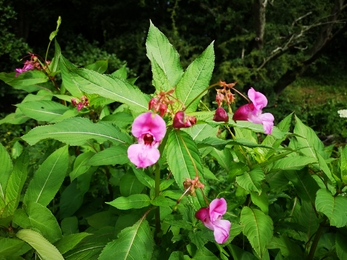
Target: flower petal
<point x="217" y="207"/>
<point x="143" y="155"/>
<point x="221" y="230"/>
<point x="243" y="112"/>
<point x="149" y="123"/>
<point x="258" y="99"/>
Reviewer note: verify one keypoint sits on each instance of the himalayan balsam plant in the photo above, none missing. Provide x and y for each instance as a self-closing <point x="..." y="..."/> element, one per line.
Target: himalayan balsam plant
<point x="105" y="171"/>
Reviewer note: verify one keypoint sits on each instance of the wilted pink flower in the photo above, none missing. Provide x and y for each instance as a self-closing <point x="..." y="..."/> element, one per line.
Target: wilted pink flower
<point x="27" y="66"/>
<point x="253" y="112"/>
<point x="181" y="120"/>
<point x="221" y="115"/>
<point x="211" y="217"/>
<point x="149" y="129"/>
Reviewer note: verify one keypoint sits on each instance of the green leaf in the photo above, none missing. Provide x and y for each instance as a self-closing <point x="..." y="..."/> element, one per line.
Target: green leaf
<point x="143" y="177"/>
<point x="306" y="187"/>
<point x="5" y="172"/>
<point x="251" y="181"/>
<point x="70" y="241"/>
<point x="77" y="131"/>
<point x="287" y="246"/>
<point x="81" y="165"/>
<point x="183" y="157"/>
<point x="293" y="163"/>
<point x="54" y="33"/>
<point x="343" y="164"/>
<point x="110" y="156"/>
<point x="196" y="79"/>
<point x="68" y="81"/>
<point x="99" y="66"/>
<point x="27" y="81"/>
<point x="40" y="218"/>
<point x="16" y="182"/>
<point x="333" y="207"/>
<point x="16" y="118"/>
<point x="48" y="178"/>
<point x="308" y="218"/>
<point x="135" y="201"/>
<point x="240" y="254"/>
<point x="341" y="247"/>
<point x="164" y="59"/>
<point x="43" y="110"/>
<point x="262" y="201"/>
<point x="12" y="247"/>
<point x="130" y="185"/>
<point x="45" y="250"/>
<point x="258" y="228"/>
<point x="135" y="242"/>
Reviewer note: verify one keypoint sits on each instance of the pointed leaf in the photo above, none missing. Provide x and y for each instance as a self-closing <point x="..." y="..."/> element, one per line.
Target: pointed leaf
<point x="43" y="110"/>
<point x="135" y="242"/>
<point x="77" y="131"/>
<point x="333" y="207"/>
<point x="164" y="59"/>
<point x="68" y="81"/>
<point x="183" y="157"/>
<point x="40" y="218"/>
<point x="45" y="250"/>
<point x="196" y="79"/>
<point x="48" y="178"/>
<point x="27" y="81"/>
<point x="306" y="187"/>
<point x="135" y="201"/>
<point x="99" y="66"/>
<point x="251" y="181"/>
<point x="258" y="228"/>
<point x="70" y="241"/>
<point x="110" y="156"/>
<point x="5" y="172"/>
<point x="293" y="163"/>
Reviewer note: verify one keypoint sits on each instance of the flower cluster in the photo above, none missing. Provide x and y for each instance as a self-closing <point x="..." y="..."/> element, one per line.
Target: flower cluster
<point x="149" y="129"/>
<point x="223" y="95"/>
<point x="211" y="217"/>
<point x="31" y="64"/>
<point x="253" y="111"/>
<point x="84" y="102"/>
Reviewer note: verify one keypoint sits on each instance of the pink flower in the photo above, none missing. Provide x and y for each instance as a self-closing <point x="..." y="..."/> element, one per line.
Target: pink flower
<point x="253" y="112"/>
<point x="149" y="129"/>
<point x="221" y="115"/>
<point x="212" y="219"/>
<point x="181" y="120"/>
<point x="27" y="66"/>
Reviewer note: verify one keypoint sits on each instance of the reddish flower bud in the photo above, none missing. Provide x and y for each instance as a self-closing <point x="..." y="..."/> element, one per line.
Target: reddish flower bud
<point x="152" y="103"/>
<point x="219" y="98"/>
<point x="221" y="115"/>
<point x="181" y="120"/>
<point x="162" y="109"/>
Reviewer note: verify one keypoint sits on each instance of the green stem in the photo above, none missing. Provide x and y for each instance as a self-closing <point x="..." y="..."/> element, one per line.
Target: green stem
<point x="157" y="191"/>
<point x="316" y="240"/>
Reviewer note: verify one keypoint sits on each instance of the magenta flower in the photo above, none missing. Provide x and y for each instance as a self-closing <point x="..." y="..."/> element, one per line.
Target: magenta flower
<point x="253" y="112"/>
<point x="181" y="120"/>
<point x="211" y="217"/>
<point x="149" y="129"/>
<point x="27" y="66"/>
<point x="221" y="115"/>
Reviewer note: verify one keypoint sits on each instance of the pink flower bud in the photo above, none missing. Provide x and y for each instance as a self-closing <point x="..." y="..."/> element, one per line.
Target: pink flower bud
<point x="219" y="98"/>
<point x="181" y="120"/>
<point x="152" y="103"/>
<point x="221" y="115"/>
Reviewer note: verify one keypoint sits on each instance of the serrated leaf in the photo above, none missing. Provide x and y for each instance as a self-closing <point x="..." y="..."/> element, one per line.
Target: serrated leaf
<point x="70" y="241"/>
<point x="293" y="163"/>
<point x="45" y="250"/>
<point x="27" y="81"/>
<point x="99" y="66"/>
<point x="164" y="59"/>
<point x="6" y="169"/>
<point x="43" y="110"/>
<point x="77" y="131"/>
<point x="68" y="82"/>
<point x="110" y="156"/>
<point x="48" y="178"/>
<point x="196" y="79"/>
<point x="16" y="118"/>
<point x="135" y="242"/>
<point x="262" y="201"/>
<point x="258" y="228"/>
<point x="183" y="157"/>
<point x="251" y="181"/>
<point x="40" y="218"/>
<point x="135" y="201"/>
<point x="333" y="207"/>
<point x="16" y="182"/>
<point x="306" y="187"/>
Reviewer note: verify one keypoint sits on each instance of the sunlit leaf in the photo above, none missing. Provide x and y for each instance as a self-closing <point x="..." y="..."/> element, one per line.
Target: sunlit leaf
<point x="135" y="201"/>
<point x="44" y="249"/>
<point x="251" y="181"/>
<point x="77" y="131"/>
<point x="110" y="156"/>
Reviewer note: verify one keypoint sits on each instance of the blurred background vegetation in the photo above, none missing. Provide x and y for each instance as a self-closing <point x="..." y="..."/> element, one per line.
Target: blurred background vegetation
<point x="293" y="51"/>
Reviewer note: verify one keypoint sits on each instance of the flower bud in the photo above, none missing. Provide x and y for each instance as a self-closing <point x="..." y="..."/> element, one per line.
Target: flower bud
<point x="219" y="98"/>
<point x="152" y="103"/>
<point x="181" y="120"/>
<point x="221" y="115"/>
<point x="162" y="109"/>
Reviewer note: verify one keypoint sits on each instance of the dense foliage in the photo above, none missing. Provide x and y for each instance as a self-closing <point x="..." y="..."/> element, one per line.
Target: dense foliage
<point x="70" y="187"/>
